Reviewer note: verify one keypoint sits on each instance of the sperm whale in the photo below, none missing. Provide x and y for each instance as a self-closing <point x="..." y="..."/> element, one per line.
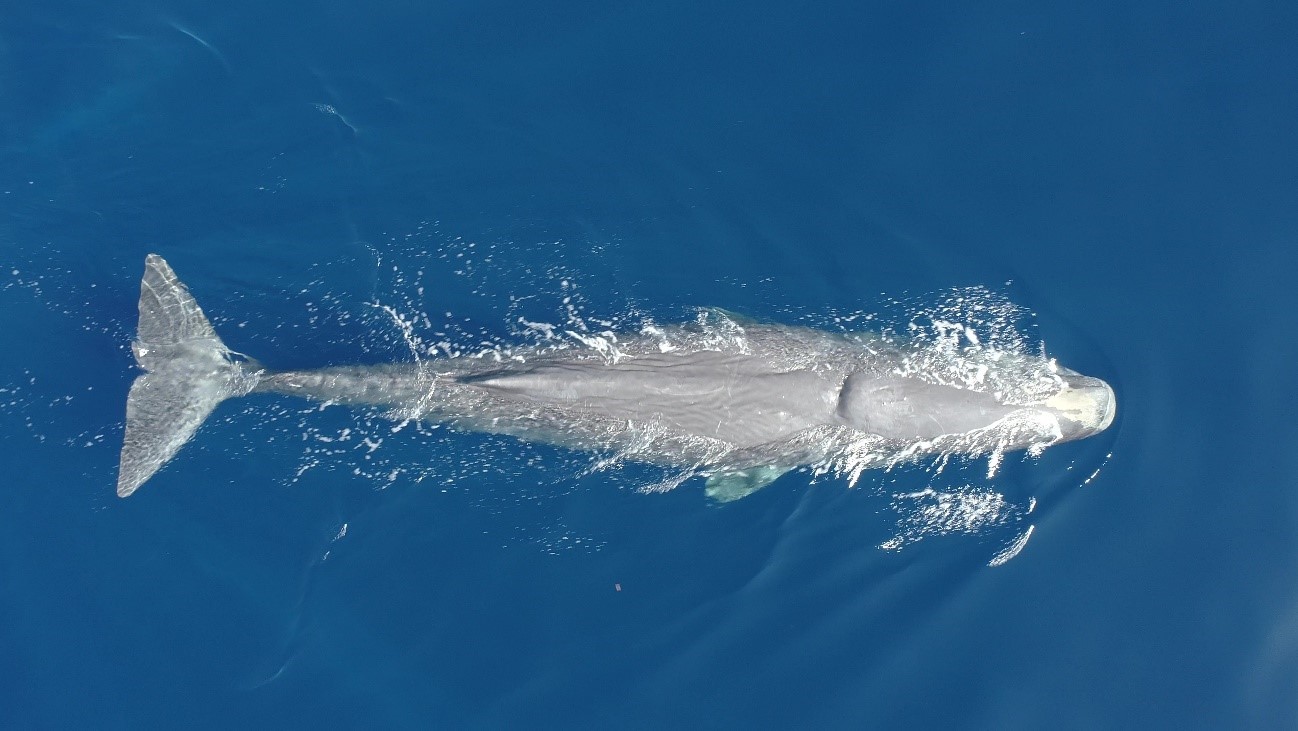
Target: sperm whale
<point x="741" y="409"/>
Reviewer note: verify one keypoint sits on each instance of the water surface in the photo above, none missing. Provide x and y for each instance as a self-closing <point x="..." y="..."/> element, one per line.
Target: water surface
<point x="1123" y="173"/>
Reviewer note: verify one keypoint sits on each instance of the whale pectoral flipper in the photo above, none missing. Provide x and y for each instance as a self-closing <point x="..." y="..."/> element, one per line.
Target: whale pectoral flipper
<point x="188" y="372"/>
<point x="726" y="487"/>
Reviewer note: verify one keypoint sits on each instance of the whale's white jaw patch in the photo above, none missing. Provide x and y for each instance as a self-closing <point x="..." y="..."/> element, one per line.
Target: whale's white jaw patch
<point x="1088" y="402"/>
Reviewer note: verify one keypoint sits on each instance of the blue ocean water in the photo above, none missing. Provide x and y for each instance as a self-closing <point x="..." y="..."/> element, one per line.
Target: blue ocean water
<point x="321" y="174"/>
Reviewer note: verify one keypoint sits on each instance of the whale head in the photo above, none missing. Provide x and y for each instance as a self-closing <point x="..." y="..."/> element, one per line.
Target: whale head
<point x="1083" y="407"/>
<point x="906" y="408"/>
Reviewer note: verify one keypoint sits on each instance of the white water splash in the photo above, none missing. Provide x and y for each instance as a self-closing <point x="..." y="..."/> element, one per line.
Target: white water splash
<point x="971" y="509"/>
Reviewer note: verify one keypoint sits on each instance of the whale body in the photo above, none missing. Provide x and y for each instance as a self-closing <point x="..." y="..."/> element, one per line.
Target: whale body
<point x="741" y="404"/>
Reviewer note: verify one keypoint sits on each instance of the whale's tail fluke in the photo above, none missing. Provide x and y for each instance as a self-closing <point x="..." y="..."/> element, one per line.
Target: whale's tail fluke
<point x="188" y="371"/>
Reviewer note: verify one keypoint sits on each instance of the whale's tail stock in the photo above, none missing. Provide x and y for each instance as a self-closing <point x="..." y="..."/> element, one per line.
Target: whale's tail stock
<point x="187" y="372"/>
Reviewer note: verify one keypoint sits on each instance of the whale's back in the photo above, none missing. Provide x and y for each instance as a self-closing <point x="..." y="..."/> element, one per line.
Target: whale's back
<point x="740" y="399"/>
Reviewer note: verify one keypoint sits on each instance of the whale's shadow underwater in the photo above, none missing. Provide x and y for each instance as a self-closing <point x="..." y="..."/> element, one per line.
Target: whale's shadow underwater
<point x="738" y="401"/>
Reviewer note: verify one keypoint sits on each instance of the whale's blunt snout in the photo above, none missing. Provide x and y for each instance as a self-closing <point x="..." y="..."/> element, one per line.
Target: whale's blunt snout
<point x="1109" y="408"/>
<point x="1085" y="406"/>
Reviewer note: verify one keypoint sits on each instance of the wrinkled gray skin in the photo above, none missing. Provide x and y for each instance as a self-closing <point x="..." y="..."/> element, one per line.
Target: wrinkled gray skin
<point x="732" y="409"/>
<point x="744" y="401"/>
